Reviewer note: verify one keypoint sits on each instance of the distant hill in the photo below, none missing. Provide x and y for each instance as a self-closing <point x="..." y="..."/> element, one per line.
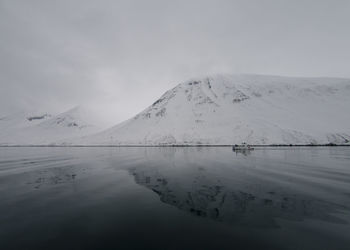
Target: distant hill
<point x="42" y="129"/>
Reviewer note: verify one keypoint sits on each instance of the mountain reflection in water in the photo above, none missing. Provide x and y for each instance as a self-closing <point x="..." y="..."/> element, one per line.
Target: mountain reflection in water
<point x="236" y="194"/>
<point x="174" y="198"/>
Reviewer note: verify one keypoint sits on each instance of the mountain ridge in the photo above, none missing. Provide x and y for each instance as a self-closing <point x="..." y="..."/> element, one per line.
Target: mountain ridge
<point x="230" y="109"/>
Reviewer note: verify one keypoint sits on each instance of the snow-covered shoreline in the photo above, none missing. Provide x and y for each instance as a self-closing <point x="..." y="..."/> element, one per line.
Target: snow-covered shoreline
<point x="177" y="145"/>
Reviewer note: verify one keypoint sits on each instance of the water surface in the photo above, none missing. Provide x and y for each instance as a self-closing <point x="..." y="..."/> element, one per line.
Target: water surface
<point x="174" y="198"/>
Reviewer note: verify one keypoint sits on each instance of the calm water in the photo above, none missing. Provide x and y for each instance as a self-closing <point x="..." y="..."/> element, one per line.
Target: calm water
<point x="174" y="198"/>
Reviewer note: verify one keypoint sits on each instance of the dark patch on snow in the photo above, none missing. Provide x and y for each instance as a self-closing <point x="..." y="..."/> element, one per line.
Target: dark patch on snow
<point x="158" y="101"/>
<point x="239" y="99"/>
<point x="256" y="94"/>
<point x="194" y="83"/>
<point x="240" y="96"/>
<point x="60" y="120"/>
<point x="72" y="124"/>
<point x="147" y="115"/>
<point x="204" y="100"/>
<point x="161" y="112"/>
<point x="209" y="85"/>
<point x="40" y="117"/>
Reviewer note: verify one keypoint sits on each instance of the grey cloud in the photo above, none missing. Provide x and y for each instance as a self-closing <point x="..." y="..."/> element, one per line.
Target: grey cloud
<point x="118" y="56"/>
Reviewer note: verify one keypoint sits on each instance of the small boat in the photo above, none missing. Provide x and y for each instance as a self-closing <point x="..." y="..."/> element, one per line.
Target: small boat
<point x="242" y="147"/>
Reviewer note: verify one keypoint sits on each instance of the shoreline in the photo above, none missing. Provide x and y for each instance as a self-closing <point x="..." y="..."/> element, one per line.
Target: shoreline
<point x="178" y="145"/>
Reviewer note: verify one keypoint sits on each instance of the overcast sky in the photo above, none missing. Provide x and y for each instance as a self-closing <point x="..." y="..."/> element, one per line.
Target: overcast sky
<point x="120" y="56"/>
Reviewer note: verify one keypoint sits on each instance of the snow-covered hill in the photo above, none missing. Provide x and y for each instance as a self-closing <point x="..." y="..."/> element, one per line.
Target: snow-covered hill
<point x="23" y="119"/>
<point x="230" y="109"/>
<point x="25" y="128"/>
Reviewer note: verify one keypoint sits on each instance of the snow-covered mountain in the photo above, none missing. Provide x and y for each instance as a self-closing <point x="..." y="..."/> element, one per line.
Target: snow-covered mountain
<point x="25" y="128"/>
<point x="230" y="109"/>
<point x="23" y="119"/>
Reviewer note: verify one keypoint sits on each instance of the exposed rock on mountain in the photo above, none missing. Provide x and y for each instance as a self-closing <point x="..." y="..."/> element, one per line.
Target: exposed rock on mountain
<point x="230" y="109"/>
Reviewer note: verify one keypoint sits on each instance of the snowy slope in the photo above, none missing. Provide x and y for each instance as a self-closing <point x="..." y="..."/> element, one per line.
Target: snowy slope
<point x="43" y="129"/>
<point x="17" y="121"/>
<point x="22" y="119"/>
<point x="230" y="109"/>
